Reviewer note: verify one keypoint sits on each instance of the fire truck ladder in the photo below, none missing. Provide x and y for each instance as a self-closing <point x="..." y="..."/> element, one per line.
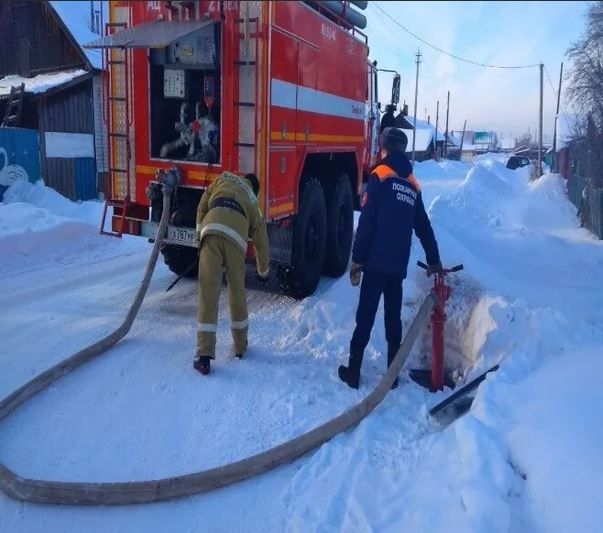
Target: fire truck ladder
<point x="118" y="115"/>
<point x="12" y="115"/>
<point x="247" y="100"/>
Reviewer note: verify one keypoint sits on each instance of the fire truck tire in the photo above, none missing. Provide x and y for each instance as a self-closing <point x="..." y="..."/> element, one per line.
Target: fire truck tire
<point x="340" y="227"/>
<point x="179" y="258"/>
<point x="309" y="241"/>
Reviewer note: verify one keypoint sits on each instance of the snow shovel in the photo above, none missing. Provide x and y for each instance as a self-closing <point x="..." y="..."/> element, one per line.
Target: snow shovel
<point x="459" y="402"/>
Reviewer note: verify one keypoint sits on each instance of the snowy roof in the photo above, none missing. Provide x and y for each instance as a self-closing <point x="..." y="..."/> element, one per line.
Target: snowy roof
<point x="423" y="124"/>
<point x="40" y="83"/>
<point x="76" y="17"/>
<point x="425" y="134"/>
<point x="424" y="138"/>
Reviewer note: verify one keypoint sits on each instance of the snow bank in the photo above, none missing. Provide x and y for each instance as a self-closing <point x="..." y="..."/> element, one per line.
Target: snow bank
<point x="436" y="170"/>
<point x="439" y="177"/>
<point x="526" y="457"/>
<point x="39" y="195"/>
<point x="520" y="238"/>
<point x="36" y="221"/>
<point x="551" y="422"/>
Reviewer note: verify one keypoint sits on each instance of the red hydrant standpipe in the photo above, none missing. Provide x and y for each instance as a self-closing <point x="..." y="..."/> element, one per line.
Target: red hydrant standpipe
<point x="438" y="322"/>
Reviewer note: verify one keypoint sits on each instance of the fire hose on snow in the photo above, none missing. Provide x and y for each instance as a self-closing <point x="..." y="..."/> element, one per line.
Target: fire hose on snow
<point x="136" y="492"/>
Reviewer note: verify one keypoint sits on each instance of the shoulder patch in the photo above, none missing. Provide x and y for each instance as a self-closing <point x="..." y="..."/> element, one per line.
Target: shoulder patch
<point x="384" y="172"/>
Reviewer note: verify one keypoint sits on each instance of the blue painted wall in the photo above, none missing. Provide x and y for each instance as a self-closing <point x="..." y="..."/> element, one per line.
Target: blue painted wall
<point x="20" y="146"/>
<point x="85" y="178"/>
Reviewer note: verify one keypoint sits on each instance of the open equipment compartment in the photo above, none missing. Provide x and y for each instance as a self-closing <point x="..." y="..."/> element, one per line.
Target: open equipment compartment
<point x="185" y="102"/>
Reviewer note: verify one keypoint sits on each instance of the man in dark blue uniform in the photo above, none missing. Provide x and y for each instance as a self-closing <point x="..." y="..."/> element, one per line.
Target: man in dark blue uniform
<point x="392" y="207"/>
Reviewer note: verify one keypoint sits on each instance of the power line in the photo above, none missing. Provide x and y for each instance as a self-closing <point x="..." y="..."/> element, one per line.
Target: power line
<point x="550" y="81"/>
<point x="564" y="112"/>
<point x="449" y="53"/>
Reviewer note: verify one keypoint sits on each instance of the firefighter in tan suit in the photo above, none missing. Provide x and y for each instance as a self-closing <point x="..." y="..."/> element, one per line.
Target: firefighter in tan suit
<point x="227" y="216"/>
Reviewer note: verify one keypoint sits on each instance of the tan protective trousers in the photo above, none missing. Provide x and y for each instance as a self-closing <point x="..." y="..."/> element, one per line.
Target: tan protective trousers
<point x="220" y="255"/>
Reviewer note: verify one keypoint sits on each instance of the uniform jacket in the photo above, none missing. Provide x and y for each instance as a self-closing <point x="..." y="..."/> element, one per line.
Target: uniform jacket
<point x="392" y="207"/>
<point x="229" y="222"/>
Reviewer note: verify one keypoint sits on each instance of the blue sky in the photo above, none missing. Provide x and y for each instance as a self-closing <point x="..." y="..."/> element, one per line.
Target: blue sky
<point x="504" y="33"/>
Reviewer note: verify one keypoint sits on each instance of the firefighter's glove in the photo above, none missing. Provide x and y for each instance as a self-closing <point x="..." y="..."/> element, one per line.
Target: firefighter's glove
<point x="435" y="269"/>
<point x="355" y="274"/>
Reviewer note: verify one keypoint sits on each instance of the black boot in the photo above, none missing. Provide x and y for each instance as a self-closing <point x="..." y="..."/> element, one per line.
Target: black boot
<point x="392" y="350"/>
<point x="351" y="374"/>
<point x="201" y="363"/>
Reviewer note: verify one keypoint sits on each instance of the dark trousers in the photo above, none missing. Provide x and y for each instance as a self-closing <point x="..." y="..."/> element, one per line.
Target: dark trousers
<point x="373" y="285"/>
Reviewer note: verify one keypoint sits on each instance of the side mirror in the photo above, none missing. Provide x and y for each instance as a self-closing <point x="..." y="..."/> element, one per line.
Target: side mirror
<point x="405" y="110"/>
<point x="396" y="90"/>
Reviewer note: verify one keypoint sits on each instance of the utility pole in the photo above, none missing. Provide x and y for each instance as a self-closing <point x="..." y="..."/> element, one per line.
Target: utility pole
<point x="428" y="119"/>
<point x="414" y="133"/>
<point x="446" y="134"/>
<point x="436" y="124"/>
<point x="463" y="137"/>
<point x="556" y="119"/>
<point x="539" y="173"/>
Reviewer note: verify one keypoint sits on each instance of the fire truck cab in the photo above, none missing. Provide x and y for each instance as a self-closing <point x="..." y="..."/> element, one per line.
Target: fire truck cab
<point x="283" y="90"/>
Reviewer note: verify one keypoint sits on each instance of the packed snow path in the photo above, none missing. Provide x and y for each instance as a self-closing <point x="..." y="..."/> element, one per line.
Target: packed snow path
<point x="141" y="411"/>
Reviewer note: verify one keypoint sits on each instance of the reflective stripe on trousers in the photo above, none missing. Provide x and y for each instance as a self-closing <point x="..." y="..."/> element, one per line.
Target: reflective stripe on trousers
<point x="220" y="255"/>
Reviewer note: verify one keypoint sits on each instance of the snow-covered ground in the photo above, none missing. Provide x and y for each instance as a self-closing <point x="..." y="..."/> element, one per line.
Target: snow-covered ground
<point x="526" y="458"/>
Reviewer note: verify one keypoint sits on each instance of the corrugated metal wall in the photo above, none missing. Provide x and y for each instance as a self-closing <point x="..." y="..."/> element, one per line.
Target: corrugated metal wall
<point x="69" y="111"/>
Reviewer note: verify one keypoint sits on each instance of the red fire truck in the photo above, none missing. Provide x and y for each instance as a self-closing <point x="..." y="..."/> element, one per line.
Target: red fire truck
<point x="280" y="89"/>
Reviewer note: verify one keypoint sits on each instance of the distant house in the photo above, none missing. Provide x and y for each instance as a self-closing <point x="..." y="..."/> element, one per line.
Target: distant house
<point x="570" y="157"/>
<point x="42" y="50"/>
<point x="507" y="144"/>
<point x="475" y="142"/>
<point x="427" y="142"/>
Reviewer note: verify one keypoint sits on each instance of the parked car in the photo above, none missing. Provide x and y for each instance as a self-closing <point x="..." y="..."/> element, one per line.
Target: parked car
<point x="517" y="161"/>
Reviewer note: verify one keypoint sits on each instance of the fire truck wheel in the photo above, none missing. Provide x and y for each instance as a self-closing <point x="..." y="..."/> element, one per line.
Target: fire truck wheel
<point x="179" y="259"/>
<point x="340" y="227"/>
<point x="309" y="241"/>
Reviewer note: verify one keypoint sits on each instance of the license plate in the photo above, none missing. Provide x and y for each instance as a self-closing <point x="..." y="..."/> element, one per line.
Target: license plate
<point x="184" y="236"/>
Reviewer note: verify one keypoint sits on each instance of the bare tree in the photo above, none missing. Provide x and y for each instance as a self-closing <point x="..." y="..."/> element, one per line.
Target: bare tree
<point x="585" y="89"/>
<point x="586" y="78"/>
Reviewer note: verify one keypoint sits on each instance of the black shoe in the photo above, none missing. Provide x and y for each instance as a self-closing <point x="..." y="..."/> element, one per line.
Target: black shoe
<point x="239" y="355"/>
<point x="351" y="374"/>
<point x="201" y="363"/>
<point x="345" y="375"/>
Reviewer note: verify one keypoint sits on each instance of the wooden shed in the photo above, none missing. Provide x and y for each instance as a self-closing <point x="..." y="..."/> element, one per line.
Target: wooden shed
<point x="62" y="89"/>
